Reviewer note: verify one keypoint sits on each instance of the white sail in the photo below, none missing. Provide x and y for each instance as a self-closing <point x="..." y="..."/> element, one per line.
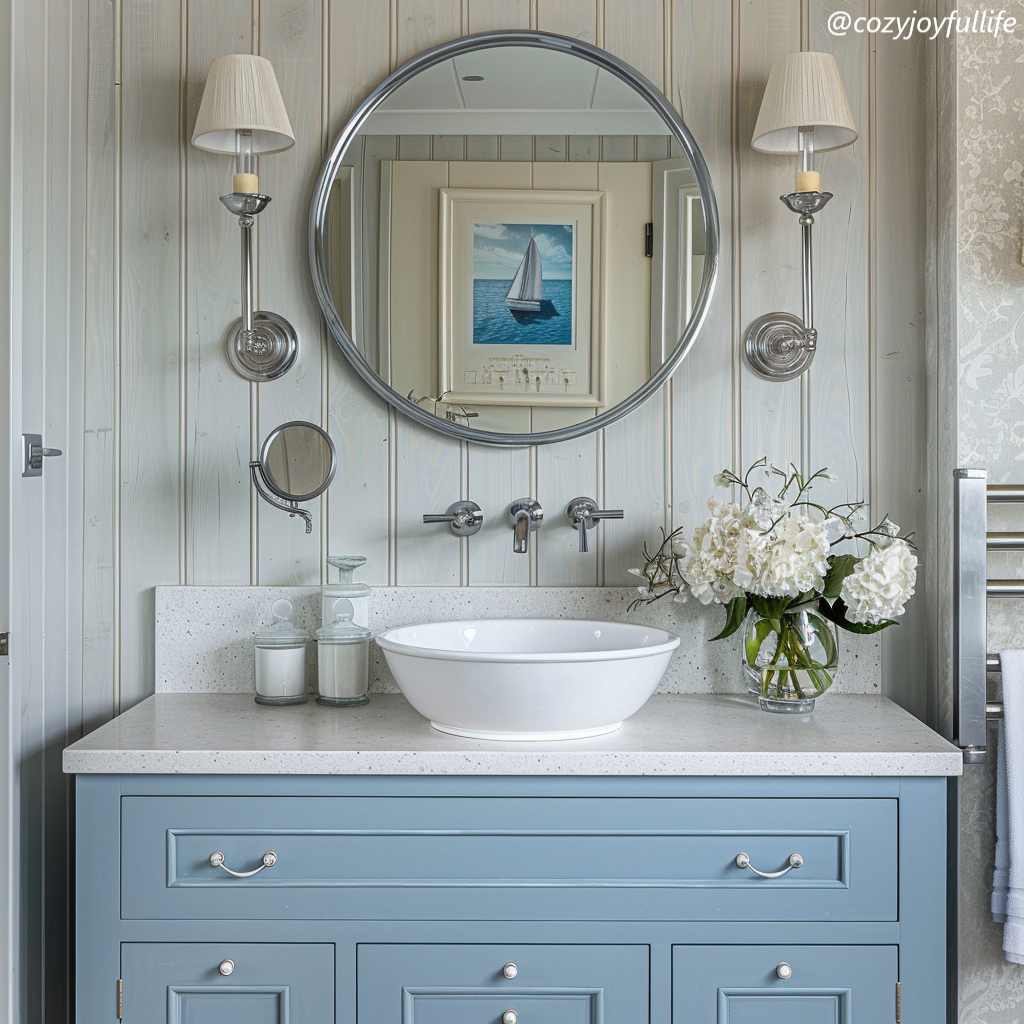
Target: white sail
<point x="527" y="287"/>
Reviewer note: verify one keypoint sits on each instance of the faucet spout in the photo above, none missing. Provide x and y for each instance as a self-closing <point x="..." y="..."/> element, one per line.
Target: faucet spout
<point x="521" y="532"/>
<point x="524" y="516"/>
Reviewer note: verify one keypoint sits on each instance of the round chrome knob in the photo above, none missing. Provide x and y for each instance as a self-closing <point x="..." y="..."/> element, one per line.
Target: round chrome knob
<point x="784" y="971"/>
<point x="510" y="970"/>
<point x="509" y="1017"/>
<point x="226" y="967"/>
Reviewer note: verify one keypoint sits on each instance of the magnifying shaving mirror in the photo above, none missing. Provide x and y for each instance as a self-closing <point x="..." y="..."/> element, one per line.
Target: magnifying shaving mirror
<point x="515" y="238"/>
<point x="297" y="463"/>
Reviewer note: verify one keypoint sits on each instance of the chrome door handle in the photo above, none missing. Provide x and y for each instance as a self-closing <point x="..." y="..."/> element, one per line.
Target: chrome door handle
<point x="795" y="861"/>
<point x="217" y="861"/>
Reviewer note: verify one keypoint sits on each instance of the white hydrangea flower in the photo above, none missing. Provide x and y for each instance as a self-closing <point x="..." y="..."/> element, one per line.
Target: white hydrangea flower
<point x="882" y="583"/>
<point x="717" y="569"/>
<point x="791" y="558"/>
<point x="765" y="548"/>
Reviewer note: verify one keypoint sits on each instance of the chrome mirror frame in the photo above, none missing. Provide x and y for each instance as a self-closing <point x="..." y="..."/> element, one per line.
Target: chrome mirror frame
<point x="436" y="55"/>
<point x="273" y="494"/>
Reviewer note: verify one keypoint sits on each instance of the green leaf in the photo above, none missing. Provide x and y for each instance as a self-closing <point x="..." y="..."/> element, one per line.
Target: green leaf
<point x="840" y="566"/>
<point x="836" y="613"/>
<point x="761" y="630"/>
<point x="828" y="641"/>
<point x="735" y="611"/>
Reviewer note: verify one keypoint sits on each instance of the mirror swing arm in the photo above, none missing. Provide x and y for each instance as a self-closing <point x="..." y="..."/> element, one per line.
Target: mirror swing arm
<point x="318" y="244"/>
<point x="293" y="508"/>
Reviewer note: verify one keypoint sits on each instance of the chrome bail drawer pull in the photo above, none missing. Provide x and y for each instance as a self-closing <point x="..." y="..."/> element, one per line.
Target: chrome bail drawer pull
<point x="795" y="861"/>
<point x="217" y="861"/>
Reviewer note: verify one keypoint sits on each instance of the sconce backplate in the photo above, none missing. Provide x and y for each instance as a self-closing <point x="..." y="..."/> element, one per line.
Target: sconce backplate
<point x="271" y="351"/>
<point x="778" y="347"/>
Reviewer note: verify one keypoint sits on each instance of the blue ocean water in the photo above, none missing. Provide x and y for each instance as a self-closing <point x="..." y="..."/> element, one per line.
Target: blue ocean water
<point x="493" y="324"/>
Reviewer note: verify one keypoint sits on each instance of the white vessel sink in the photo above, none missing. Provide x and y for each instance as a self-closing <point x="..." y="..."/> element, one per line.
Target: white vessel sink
<point x="527" y="679"/>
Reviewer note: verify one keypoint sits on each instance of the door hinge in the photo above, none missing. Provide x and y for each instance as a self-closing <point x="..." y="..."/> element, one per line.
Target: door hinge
<point x="649" y="240"/>
<point x="5" y="644"/>
<point x="899" y="1004"/>
<point x="120" y="999"/>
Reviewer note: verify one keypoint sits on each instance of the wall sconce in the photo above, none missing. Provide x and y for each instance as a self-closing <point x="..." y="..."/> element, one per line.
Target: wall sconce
<point x="804" y="109"/>
<point x="242" y="112"/>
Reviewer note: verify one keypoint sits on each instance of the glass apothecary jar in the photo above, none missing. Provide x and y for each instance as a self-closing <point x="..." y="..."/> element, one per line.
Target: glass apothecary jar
<point x="281" y="659"/>
<point x="357" y="593"/>
<point x="343" y="659"/>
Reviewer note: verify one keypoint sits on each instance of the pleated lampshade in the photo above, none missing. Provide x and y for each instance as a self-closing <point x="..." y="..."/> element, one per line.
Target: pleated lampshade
<point x="242" y="93"/>
<point x="804" y="90"/>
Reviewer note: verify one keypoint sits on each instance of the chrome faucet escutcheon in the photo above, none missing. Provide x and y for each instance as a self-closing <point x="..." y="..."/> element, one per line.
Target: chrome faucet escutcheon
<point x="464" y="518"/>
<point x="583" y="514"/>
<point x="525" y="517"/>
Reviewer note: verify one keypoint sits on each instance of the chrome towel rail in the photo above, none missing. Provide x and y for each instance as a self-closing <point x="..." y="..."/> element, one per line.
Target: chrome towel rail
<point x="971" y="589"/>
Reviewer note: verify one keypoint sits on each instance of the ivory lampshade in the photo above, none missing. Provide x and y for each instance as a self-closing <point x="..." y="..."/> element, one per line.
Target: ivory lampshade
<point x="242" y="93"/>
<point x="804" y="91"/>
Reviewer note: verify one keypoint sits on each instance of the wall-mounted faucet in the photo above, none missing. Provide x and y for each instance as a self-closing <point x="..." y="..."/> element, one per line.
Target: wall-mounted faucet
<point x="464" y="518"/>
<point x="525" y="517"/>
<point x="583" y="514"/>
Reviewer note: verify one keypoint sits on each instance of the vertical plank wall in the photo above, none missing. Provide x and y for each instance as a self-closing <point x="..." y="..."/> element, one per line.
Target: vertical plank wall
<point x="171" y="428"/>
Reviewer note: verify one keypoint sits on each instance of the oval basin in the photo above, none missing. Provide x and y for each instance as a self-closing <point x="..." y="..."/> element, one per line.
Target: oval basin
<point x="527" y="679"/>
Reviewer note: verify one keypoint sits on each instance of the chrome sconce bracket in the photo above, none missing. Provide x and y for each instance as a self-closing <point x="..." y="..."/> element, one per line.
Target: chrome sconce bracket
<point x="780" y="346"/>
<point x="261" y="346"/>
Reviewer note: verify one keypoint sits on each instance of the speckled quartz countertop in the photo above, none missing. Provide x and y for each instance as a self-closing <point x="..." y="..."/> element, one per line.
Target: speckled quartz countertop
<point x="673" y="734"/>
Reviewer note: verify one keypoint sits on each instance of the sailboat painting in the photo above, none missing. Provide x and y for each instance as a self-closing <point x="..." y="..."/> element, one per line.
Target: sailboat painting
<point x="523" y="284"/>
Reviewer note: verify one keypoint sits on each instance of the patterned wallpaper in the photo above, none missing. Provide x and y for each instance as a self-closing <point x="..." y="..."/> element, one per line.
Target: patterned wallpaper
<point x="990" y="395"/>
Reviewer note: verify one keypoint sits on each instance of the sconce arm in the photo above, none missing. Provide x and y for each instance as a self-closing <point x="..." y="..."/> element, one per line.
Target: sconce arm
<point x="291" y="507"/>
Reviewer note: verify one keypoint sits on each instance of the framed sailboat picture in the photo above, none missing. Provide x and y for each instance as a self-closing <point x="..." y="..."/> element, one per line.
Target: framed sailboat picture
<point x="520" y="297"/>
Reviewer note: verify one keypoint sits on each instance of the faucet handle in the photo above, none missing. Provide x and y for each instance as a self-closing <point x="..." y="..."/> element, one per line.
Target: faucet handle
<point x="583" y="514"/>
<point x="464" y="518"/>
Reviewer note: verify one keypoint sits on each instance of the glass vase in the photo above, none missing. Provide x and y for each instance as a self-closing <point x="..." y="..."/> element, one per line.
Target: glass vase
<point x="789" y="660"/>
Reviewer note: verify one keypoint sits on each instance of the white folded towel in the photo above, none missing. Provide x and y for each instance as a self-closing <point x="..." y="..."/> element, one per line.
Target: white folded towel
<point x="1010" y="824"/>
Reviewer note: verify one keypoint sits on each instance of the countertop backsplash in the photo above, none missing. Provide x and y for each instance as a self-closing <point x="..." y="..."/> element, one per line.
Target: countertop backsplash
<point x="204" y="634"/>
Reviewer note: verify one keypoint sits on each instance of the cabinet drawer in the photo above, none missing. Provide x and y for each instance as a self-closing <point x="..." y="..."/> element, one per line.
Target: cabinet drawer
<point x="465" y="984"/>
<point x="741" y="984"/>
<point x="268" y="982"/>
<point x="508" y="858"/>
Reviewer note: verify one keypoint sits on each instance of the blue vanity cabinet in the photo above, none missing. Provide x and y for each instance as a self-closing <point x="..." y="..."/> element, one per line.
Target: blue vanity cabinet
<point x="400" y="900"/>
<point x="227" y="983"/>
<point x="784" y="984"/>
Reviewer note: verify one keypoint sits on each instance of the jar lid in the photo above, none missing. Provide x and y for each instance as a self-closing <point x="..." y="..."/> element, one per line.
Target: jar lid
<point x="283" y="632"/>
<point x="342" y="630"/>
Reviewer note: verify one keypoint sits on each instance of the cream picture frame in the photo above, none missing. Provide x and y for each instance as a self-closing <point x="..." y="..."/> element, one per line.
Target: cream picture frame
<point x="521" y="374"/>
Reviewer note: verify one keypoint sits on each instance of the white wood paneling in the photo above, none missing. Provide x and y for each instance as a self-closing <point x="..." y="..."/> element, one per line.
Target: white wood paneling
<point x="178" y="249"/>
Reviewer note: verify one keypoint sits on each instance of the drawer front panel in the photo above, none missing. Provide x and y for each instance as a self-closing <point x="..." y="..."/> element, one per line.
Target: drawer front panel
<point x="508" y="858"/>
<point x="826" y="984"/>
<point x="268" y="983"/>
<point x="465" y="984"/>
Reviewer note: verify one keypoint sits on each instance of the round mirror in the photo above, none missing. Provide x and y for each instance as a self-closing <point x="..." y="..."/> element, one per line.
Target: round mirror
<point x="298" y="461"/>
<point x="515" y="238"/>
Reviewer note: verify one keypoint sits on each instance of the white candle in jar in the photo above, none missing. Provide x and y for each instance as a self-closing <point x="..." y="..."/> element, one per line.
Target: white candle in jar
<point x="280" y="671"/>
<point x="343" y="669"/>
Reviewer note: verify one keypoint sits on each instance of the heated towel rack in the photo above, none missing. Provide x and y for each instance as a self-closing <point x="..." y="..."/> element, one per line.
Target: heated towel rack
<point x="971" y="591"/>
